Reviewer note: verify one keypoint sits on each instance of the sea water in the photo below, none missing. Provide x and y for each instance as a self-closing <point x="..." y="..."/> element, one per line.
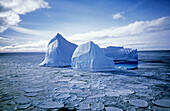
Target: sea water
<point x="24" y="85"/>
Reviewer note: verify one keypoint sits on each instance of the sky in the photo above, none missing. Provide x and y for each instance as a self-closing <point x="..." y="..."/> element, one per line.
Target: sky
<point x="28" y="25"/>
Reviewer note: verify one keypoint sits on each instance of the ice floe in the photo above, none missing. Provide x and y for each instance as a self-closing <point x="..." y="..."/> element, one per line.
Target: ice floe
<point x="124" y="91"/>
<point x="97" y="96"/>
<point x="24" y="106"/>
<point x="22" y="100"/>
<point x="31" y="94"/>
<point x="112" y="109"/>
<point x="111" y="94"/>
<point x="76" y="82"/>
<point x="97" y="106"/>
<point x="7" y="98"/>
<point x="33" y="90"/>
<point x="83" y="106"/>
<point x="162" y="102"/>
<point x="139" y="103"/>
<point x="50" y="105"/>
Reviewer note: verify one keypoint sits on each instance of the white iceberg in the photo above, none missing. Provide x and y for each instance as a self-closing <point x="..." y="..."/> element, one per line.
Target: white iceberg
<point x="121" y="54"/>
<point x="59" y="52"/>
<point x="90" y="57"/>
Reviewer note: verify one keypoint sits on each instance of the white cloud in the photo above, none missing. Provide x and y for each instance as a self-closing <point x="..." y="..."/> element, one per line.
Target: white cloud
<point x="11" y="9"/>
<point x="45" y="34"/>
<point x="117" y="16"/>
<point x="137" y="31"/>
<point x="39" y="46"/>
<point x="136" y="28"/>
<point x="32" y="40"/>
<point x="6" y="41"/>
<point x="26" y="31"/>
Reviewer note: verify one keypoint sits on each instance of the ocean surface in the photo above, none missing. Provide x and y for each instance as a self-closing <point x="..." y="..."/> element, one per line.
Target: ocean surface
<point x="24" y="85"/>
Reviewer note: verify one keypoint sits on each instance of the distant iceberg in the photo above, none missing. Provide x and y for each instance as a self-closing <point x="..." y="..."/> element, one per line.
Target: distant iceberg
<point x="59" y="52"/>
<point x="90" y="57"/>
<point x="121" y="54"/>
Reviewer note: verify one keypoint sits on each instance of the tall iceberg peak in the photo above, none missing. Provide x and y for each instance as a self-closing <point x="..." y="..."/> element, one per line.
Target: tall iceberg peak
<point x="59" y="52"/>
<point x="90" y="57"/>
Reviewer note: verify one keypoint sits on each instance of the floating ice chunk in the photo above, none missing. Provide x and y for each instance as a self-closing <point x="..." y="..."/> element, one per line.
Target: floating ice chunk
<point x="22" y="100"/>
<point x="7" y="98"/>
<point x="78" y="91"/>
<point x="97" y="96"/>
<point x="51" y="105"/>
<point x="111" y="94"/>
<point x="113" y="109"/>
<point x="31" y="94"/>
<point x="72" y="98"/>
<point x="83" y="106"/>
<point x="142" y="95"/>
<point x="10" y="103"/>
<point x="36" y="102"/>
<point x="131" y="109"/>
<point x="64" y="79"/>
<point x="61" y="96"/>
<point x="97" y="106"/>
<point x="59" y="52"/>
<point x="158" y="108"/>
<point x="33" y="90"/>
<point x="76" y="82"/>
<point x="63" y="90"/>
<point x="162" y="102"/>
<point x="124" y="91"/>
<point x="109" y="103"/>
<point x="139" y="103"/>
<point x="90" y="57"/>
<point x="24" y="106"/>
<point x="137" y="86"/>
<point x="121" y="54"/>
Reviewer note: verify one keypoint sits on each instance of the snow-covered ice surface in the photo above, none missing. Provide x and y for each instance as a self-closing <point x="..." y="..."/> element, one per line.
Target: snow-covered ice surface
<point x="59" y="52"/>
<point x="26" y="86"/>
<point x="121" y="54"/>
<point x="90" y="57"/>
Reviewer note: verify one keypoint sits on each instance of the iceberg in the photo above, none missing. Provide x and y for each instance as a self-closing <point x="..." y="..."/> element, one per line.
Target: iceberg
<point x="59" y="52"/>
<point x="132" y="54"/>
<point x="90" y="57"/>
<point x="121" y="54"/>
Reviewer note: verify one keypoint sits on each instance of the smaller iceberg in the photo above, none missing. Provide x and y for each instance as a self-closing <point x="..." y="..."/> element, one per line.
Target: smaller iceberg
<point x="59" y="52"/>
<point x="90" y="57"/>
<point x="121" y="54"/>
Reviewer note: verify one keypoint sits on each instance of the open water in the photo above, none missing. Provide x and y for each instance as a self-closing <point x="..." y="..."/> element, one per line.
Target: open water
<point x="142" y="87"/>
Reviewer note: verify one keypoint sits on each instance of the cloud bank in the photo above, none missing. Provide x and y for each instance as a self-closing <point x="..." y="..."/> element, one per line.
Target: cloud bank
<point x="133" y="29"/>
<point x="39" y="46"/>
<point x="11" y="9"/>
<point x="153" y="34"/>
<point x="139" y="32"/>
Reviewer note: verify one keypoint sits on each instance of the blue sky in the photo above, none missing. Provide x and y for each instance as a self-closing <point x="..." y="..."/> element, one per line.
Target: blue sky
<point x="28" y="25"/>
